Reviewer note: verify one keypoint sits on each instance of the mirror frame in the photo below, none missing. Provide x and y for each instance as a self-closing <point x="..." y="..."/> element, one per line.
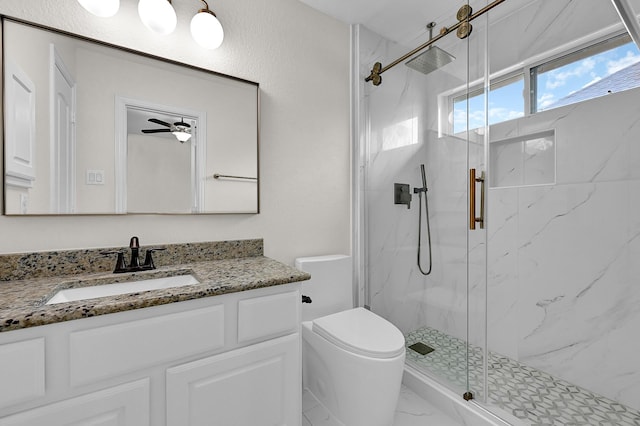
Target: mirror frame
<point x="6" y="18"/>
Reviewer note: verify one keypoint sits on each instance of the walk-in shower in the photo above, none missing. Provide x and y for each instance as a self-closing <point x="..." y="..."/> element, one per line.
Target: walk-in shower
<point x="532" y="315"/>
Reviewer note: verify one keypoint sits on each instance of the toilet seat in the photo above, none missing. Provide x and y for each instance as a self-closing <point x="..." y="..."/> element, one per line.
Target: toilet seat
<point x="361" y="332"/>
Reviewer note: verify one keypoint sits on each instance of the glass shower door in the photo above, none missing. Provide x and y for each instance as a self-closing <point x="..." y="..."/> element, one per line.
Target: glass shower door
<point x="563" y="251"/>
<point x="475" y="105"/>
<point x="413" y="119"/>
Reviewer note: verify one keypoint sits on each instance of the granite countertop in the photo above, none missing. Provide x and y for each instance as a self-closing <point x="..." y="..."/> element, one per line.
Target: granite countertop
<point x="22" y="302"/>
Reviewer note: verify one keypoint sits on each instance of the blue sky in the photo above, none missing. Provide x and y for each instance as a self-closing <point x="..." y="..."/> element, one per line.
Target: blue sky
<point x="507" y="102"/>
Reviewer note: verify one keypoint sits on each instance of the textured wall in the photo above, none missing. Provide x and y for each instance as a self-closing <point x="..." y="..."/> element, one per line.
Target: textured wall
<point x="301" y="60"/>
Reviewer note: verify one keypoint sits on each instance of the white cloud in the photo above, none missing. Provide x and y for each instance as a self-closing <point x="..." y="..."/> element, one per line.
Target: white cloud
<point x="560" y="78"/>
<point x="500" y="114"/>
<point x="476" y="120"/>
<point x="545" y="100"/>
<point x="629" y="59"/>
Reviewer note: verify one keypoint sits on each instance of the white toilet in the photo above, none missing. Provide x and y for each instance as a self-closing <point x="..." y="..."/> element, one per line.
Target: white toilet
<point x="352" y="359"/>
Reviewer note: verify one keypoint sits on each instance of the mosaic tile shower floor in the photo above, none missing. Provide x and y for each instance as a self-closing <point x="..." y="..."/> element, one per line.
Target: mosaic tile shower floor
<point x="529" y="394"/>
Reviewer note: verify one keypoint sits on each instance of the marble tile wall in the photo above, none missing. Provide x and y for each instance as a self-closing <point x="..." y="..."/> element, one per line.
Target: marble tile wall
<point x="563" y="258"/>
<point x="397" y="289"/>
<point x="522" y="161"/>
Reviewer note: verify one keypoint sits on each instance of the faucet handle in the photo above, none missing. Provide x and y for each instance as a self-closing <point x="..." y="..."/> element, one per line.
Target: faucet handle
<point x="121" y="266"/>
<point x="148" y="258"/>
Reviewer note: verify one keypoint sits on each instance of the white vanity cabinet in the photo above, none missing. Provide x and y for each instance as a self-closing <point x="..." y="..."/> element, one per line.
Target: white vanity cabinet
<point x="257" y="384"/>
<point x="125" y="405"/>
<point x="254" y="385"/>
<point x="225" y="360"/>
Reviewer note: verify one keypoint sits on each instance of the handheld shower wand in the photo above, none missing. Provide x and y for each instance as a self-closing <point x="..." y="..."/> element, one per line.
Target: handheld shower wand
<point x="419" y="191"/>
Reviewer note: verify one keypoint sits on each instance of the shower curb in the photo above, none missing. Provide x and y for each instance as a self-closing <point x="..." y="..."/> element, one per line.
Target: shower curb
<point x="452" y="404"/>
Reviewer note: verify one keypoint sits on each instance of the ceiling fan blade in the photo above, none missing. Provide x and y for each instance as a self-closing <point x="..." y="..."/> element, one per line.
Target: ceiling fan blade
<point x="160" y="122"/>
<point x="182" y="123"/>
<point x="156" y="130"/>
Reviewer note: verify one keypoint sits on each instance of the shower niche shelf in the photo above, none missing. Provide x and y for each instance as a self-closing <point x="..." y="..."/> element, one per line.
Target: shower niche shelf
<point x="523" y="160"/>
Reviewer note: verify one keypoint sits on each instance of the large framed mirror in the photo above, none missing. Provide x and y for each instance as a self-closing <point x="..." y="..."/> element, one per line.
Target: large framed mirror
<point x="92" y="128"/>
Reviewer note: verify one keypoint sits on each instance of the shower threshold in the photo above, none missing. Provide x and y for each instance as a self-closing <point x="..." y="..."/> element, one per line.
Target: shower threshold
<point x="531" y="395"/>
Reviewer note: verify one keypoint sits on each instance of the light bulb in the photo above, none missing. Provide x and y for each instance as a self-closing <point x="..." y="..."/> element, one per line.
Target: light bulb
<point x="158" y="15"/>
<point x="206" y="30"/>
<point x="101" y="8"/>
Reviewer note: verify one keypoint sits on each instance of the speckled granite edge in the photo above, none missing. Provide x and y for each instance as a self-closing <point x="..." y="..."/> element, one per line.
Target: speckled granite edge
<point x="23" y="303"/>
<point x="21" y="266"/>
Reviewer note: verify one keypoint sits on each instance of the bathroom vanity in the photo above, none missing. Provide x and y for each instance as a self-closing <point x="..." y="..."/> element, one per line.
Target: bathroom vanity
<point x="224" y="351"/>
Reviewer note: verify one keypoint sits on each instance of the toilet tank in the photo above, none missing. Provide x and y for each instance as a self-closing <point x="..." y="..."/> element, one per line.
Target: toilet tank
<point x="330" y="287"/>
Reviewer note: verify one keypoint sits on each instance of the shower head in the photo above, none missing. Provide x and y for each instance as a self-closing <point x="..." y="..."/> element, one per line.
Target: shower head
<point x="432" y="58"/>
<point x="424" y="176"/>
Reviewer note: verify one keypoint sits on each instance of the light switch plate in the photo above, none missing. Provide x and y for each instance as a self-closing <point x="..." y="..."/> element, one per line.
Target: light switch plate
<point x="95" y="177"/>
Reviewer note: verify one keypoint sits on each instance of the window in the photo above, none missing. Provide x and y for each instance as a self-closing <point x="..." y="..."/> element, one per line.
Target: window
<point x="606" y="67"/>
<point x="505" y="103"/>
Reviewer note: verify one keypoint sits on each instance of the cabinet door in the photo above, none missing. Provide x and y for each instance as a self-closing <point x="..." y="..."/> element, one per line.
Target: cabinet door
<point x="21" y="372"/>
<point x="255" y="385"/>
<point x="125" y="405"/>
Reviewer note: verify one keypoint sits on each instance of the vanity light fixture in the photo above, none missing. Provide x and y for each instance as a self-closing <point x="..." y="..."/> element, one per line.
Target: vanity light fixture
<point x="101" y="8"/>
<point x="158" y="15"/>
<point x="206" y="30"/>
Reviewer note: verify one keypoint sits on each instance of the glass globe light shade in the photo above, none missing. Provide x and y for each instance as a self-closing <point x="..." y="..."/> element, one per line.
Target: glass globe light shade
<point x="101" y="8"/>
<point x="206" y="30"/>
<point x="182" y="135"/>
<point x="158" y="15"/>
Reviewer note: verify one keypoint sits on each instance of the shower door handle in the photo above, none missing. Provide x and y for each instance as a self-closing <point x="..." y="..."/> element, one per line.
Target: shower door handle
<point x="472" y="199"/>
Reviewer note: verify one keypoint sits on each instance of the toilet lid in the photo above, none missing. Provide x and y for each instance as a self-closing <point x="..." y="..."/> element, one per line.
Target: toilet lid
<point x="362" y="332"/>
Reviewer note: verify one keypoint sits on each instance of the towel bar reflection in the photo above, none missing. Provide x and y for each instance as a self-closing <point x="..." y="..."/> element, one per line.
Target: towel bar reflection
<point x="219" y="176"/>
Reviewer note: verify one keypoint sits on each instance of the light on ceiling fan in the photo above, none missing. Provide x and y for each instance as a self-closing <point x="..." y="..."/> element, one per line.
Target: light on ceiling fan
<point x="206" y="30"/>
<point x="101" y="8"/>
<point x="158" y="15"/>
<point x="181" y="135"/>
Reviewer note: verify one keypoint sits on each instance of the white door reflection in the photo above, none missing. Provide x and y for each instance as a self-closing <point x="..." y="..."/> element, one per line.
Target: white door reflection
<point x="163" y="171"/>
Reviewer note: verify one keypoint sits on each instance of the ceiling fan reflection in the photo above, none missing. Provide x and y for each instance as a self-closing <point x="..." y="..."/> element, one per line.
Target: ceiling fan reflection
<point x="180" y="129"/>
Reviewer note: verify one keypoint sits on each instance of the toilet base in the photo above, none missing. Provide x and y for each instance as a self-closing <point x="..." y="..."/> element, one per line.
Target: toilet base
<point x="357" y="390"/>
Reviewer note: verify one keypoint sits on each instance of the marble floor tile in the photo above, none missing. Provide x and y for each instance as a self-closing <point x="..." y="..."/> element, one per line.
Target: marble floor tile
<point x="411" y="410"/>
<point x="535" y="397"/>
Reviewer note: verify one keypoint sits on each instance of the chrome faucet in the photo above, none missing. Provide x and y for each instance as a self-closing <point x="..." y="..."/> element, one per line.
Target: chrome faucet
<point x="134" y="263"/>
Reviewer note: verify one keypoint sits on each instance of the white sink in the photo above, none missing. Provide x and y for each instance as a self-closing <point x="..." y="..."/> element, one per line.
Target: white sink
<point x="103" y="290"/>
